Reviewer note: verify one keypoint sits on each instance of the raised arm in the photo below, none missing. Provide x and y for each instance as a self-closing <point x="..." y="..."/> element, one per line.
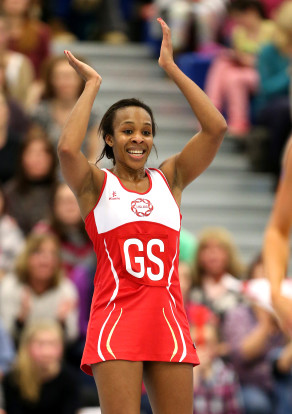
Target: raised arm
<point x="84" y="179"/>
<point x="199" y="152"/>
<point x="276" y="243"/>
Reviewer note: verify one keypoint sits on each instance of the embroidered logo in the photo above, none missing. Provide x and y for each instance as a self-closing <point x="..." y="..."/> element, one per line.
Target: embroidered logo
<point x="114" y="196"/>
<point x="141" y="207"/>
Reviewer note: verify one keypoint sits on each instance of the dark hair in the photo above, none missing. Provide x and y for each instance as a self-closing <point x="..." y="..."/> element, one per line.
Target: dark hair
<point x="106" y="124"/>
<point x="244" y="5"/>
<point x="4" y="201"/>
<point x="47" y="72"/>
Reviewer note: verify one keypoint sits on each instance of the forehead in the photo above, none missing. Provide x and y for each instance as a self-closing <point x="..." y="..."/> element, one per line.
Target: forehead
<point x="132" y="114"/>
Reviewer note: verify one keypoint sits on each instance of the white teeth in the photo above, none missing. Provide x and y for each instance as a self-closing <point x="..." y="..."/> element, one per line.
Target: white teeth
<point x="136" y="152"/>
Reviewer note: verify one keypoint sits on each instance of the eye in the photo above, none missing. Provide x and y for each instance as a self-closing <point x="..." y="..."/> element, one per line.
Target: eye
<point x="128" y="131"/>
<point x="147" y="133"/>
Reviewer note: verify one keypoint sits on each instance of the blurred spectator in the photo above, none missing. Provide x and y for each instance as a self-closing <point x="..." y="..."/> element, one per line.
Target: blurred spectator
<point x="88" y="20"/>
<point x="61" y="90"/>
<point x="216" y="387"/>
<point x="37" y="289"/>
<point x="250" y="342"/>
<point x="216" y="271"/>
<point x="194" y="23"/>
<point x="66" y="223"/>
<point x="19" y="73"/>
<point x="39" y="381"/>
<point x="6" y="358"/>
<point x="11" y="238"/>
<point x="30" y="193"/>
<point x="233" y="77"/>
<point x="27" y="34"/>
<point x="273" y="97"/>
<point x="78" y="257"/>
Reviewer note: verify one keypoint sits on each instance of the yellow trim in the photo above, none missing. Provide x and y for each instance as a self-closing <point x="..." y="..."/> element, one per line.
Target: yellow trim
<point x="173" y="335"/>
<point x="110" y="335"/>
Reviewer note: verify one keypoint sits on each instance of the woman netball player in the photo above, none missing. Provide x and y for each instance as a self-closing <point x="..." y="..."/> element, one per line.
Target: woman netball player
<point x="276" y="243"/>
<point x="137" y="327"/>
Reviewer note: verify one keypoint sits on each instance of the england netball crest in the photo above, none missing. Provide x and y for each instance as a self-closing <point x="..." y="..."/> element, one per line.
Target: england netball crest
<point x="141" y="207"/>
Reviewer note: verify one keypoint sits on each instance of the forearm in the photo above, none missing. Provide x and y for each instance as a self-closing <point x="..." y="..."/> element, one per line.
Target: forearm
<point x="276" y="254"/>
<point x="75" y="128"/>
<point x="254" y="344"/>
<point x="201" y="105"/>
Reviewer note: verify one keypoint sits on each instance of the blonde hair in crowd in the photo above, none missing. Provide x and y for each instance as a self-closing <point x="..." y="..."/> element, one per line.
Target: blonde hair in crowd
<point x="33" y="243"/>
<point x="219" y="234"/>
<point x="283" y="32"/>
<point x="25" y="371"/>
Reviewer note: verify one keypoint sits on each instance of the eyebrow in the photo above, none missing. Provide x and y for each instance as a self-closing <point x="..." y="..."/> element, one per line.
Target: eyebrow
<point x="131" y="122"/>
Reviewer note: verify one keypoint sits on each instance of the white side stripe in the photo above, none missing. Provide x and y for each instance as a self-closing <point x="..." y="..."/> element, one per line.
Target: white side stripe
<point x="170" y="275"/>
<point x="101" y="332"/>
<point x="183" y="355"/>
<point x="115" y="276"/>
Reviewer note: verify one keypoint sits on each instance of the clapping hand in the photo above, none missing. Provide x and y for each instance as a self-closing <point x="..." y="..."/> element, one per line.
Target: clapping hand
<point x="86" y="72"/>
<point x="166" y="51"/>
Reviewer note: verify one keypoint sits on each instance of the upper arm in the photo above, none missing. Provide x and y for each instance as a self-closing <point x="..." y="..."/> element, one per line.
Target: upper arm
<point x="181" y="169"/>
<point x="84" y="179"/>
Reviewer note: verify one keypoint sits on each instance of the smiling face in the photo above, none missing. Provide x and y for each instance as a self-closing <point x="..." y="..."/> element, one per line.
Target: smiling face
<point x="133" y="138"/>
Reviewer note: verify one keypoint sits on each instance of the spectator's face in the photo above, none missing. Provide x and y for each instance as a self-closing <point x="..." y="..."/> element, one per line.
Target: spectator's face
<point x="16" y="7"/>
<point x="66" y="207"/>
<point x="65" y="81"/>
<point x="247" y="19"/>
<point x="43" y="262"/>
<point x="46" y="349"/>
<point x="213" y="258"/>
<point x="36" y="160"/>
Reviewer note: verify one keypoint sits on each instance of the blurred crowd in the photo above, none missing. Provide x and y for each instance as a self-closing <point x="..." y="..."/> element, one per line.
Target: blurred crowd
<point x="47" y="262"/>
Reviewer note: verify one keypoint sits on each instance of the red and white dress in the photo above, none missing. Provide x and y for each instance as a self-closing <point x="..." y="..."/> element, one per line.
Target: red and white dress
<point x="137" y="311"/>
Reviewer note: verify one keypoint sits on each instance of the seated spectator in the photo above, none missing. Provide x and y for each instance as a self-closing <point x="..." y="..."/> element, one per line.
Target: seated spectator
<point x="39" y="381"/>
<point x="27" y="35"/>
<point x="37" y="289"/>
<point x="216" y="271"/>
<point x="78" y="257"/>
<point x="67" y="224"/>
<point x="19" y="73"/>
<point x="11" y="240"/>
<point x="29" y="194"/>
<point x="6" y="359"/>
<point x="62" y="89"/>
<point x="250" y="343"/>
<point x="233" y="77"/>
<point x="216" y="387"/>
<point x="273" y="97"/>
<point x="194" y="24"/>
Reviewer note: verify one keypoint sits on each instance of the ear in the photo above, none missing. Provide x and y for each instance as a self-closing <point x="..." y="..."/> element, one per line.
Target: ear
<point x="109" y="140"/>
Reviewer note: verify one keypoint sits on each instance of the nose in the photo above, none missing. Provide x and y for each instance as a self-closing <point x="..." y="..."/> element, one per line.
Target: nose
<point x="137" y="139"/>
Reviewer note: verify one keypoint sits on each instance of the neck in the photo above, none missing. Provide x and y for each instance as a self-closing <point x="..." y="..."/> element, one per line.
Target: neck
<point x="128" y="174"/>
<point x="49" y="372"/>
<point x="64" y="104"/>
<point x="39" y="286"/>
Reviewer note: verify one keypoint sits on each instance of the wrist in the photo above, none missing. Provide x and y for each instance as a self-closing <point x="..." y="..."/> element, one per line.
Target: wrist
<point x="93" y="83"/>
<point x="169" y="66"/>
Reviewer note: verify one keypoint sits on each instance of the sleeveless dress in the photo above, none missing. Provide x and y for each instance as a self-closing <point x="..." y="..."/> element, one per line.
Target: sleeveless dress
<point x="137" y="311"/>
